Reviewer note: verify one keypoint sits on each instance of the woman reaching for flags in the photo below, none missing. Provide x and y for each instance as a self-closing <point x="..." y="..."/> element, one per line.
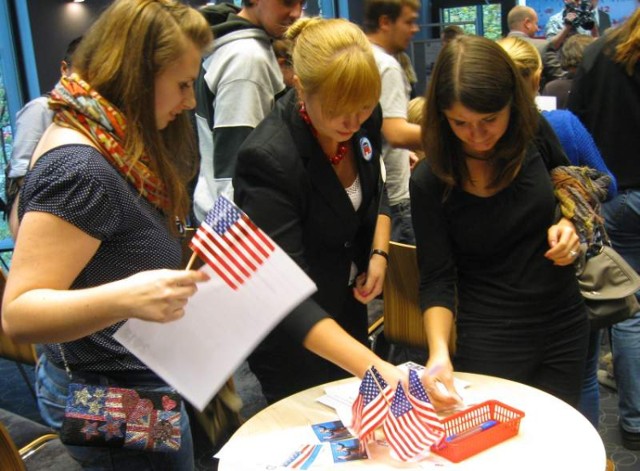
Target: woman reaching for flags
<point x="490" y="248"/>
<point x="309" y="175"/>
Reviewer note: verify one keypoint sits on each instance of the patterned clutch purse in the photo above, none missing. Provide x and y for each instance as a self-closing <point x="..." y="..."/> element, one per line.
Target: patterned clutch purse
<point x="121" y="418"/>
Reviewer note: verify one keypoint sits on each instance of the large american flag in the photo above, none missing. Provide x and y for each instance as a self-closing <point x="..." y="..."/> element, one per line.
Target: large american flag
<point x="406" y="433"/>
<point x="230" y="243"/>
<point x="371" y="405"/>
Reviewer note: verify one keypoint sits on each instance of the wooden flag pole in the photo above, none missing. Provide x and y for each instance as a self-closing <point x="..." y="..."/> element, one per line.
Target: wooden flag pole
<point x="191" y="260"/>
<point x="380" y="388"/>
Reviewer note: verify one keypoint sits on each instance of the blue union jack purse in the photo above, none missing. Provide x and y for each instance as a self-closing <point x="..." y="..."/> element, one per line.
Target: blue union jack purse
<point x="114" y="417"/>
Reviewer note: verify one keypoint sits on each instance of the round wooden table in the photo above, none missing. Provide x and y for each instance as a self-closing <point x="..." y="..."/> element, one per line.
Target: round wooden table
<point x="553" y="436"/>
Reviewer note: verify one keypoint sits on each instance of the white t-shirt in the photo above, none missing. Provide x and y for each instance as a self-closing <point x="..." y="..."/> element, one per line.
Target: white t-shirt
<point x="394" y="101"/>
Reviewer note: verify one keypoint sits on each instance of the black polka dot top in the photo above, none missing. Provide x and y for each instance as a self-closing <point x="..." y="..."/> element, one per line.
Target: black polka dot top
<point x="75" y="183"/>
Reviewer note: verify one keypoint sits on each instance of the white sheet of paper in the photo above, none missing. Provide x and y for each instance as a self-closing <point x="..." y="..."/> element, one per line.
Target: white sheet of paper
<point x="267" y="451"/>
<point x="199" y="352"/>
<point x="546" y="103"/>
<point x="270" y="450"/>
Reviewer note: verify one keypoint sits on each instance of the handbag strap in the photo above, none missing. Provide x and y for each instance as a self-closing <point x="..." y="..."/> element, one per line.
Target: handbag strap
<point x="65" y="362"/>
<point x="601" y="238"/>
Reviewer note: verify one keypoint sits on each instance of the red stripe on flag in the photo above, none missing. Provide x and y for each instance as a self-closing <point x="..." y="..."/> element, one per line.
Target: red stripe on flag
<point x="372" y="415"/>
<point x="258" y="232"/>
<point x="241" y="240"/>
<point x="304" y="455"/>
<point x="211" y="260"/>
<point x="406" y="436"/>
<point x="251" y="236"/>
<point x="237" y="245"/>
<point x="220" y="250"/>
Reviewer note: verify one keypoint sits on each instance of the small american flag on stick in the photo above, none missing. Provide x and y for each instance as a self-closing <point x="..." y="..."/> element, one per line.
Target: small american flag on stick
<point x="371" y="406"/>
<point x="231" y="244"/>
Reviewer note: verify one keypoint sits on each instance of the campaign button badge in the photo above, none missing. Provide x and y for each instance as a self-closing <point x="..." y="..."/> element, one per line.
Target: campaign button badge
<point x="365" y="148"/>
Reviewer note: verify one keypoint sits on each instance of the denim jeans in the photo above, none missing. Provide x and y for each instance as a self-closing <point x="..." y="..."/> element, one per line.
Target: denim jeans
<point x="401" y="224"/>
<point x="622" y="219"/>
<point x="52" y="384"/>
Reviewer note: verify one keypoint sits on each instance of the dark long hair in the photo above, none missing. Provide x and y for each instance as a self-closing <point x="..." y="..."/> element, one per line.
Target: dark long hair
<point x="478" y="74"/>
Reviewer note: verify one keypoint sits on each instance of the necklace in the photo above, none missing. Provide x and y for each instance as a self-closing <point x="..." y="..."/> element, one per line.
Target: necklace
<point x="342" y="146"/>
<point x="475" y="157"/>
<point x="489" y="160"/>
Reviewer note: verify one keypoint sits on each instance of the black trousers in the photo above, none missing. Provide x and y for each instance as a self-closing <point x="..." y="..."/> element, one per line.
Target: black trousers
<point x="548" y="356"/>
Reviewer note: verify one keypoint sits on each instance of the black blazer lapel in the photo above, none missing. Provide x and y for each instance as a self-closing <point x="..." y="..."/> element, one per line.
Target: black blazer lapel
<point x="321" y="174"/>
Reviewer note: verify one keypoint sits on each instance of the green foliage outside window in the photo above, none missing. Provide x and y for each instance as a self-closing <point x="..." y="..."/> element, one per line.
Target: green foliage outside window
<point x="6" y="143"/>
<point x="491" y="19"/>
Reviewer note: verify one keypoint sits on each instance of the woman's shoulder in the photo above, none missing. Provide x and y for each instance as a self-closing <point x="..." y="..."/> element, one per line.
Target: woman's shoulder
<point x="58" y="136"/>
<point x="70" y="168"/>
<point x="69" y="160"/>
<point x="272" y="142"/>
<point x="424" y="178"/>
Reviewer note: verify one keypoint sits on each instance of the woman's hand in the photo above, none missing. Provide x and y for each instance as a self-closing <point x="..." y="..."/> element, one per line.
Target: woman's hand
<point x="159" y="295"/>
<point x="438" y="382"/>
<point x="413" y="160"/>
<point x="369" y="285"/>
<point x="392" y="374"/>
<point x="564" y="242"/>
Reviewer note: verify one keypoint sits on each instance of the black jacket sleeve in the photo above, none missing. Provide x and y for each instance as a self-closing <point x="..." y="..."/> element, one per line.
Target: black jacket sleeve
<point x="265" y="191"/>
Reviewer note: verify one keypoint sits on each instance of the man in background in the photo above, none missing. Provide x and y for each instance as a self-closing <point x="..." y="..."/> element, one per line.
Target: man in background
<point x="390" y="25"/>
<point x="577" y="17"/>
<point x="31" y="123"/>
<point x="523" y="23"/>
<point x="237" y="87"/>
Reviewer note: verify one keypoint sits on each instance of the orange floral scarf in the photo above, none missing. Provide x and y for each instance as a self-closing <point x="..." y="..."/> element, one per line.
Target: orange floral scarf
<point x="80" y="107"/>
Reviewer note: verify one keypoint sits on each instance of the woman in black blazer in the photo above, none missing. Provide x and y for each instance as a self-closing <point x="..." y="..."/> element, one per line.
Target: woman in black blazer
<point x="310" y="176"/>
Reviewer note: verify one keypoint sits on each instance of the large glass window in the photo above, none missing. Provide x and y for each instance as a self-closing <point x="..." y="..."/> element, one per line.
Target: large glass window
<point x="6" y="131"/>
<point x="6" y="143"/>
<point x="10" y="101"/>
<point x="483" y="20"/>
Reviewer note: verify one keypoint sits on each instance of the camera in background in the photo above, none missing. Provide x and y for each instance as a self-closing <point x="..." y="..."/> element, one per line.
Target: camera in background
<point x="584" y="15"/>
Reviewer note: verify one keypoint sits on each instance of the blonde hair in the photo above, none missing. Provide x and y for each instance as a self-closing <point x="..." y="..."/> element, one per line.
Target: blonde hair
<point x="415" y="111"/>
<point x="526" y="58"/>
<point x="627" y="40"/>
<point x="415" y="114"/>
<point x="333" y="59"/>
<point x="124" y="51"/>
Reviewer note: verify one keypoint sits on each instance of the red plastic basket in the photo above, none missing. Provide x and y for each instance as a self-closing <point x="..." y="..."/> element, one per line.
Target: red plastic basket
<point x="508" y="425"/>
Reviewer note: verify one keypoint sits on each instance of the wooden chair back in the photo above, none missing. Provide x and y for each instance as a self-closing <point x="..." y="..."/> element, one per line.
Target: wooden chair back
<point x="403" y="322"/>
<point x="10" y="459"/>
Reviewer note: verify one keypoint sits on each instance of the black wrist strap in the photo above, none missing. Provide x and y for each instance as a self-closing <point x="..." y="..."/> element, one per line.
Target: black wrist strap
<point x="379" y="252"/>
